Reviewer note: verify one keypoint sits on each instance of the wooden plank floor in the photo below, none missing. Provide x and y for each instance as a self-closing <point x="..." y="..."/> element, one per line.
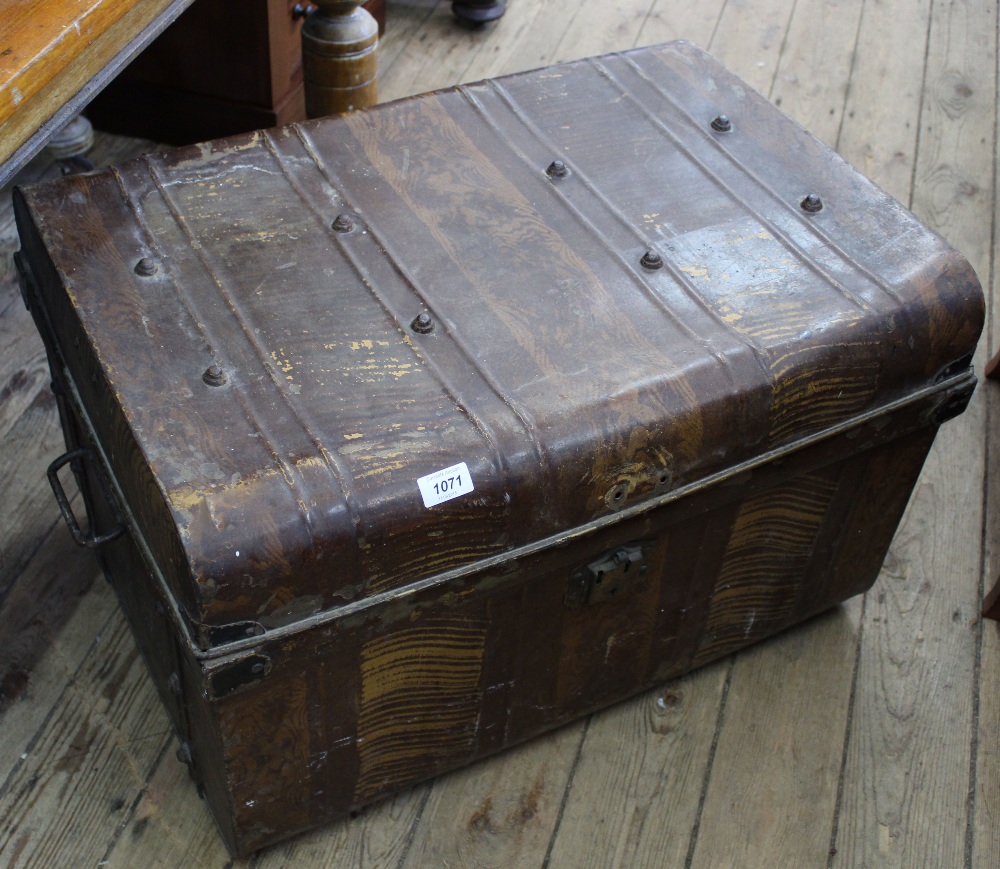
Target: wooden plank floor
<point x="867" y="737"/>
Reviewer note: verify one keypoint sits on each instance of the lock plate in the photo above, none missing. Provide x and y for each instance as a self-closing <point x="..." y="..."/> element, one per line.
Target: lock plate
<point x="608" y="576"/>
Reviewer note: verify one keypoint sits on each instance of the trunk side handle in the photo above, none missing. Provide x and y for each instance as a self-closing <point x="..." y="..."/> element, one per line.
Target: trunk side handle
<point x="94" y="540"/>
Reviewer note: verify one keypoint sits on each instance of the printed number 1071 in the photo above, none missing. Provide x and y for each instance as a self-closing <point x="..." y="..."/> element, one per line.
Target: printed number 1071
<point x="445" y="484"/>
<point x="448" y="484"/>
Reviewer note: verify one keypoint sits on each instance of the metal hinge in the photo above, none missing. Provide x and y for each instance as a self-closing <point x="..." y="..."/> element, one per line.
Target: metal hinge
<point x="210" y="636"/>
<point x="245" y="671"/>
<point x="954" y="404"/>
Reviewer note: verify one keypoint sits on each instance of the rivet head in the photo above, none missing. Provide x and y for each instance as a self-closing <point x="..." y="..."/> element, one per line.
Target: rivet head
<point x="422" y="323"/>
<point x="651" y="260"/>
<point x="343" y="223"/>
<point x="557" y="169"/>
<point x="615" y="498"/>
<point x="812" y="203"/>
<point x="257" y="668"/>
<point x="184" y="753"/>
<point x="214" y="376"/>
<point x="722" y="124"/>
<point x="145" y="267"/>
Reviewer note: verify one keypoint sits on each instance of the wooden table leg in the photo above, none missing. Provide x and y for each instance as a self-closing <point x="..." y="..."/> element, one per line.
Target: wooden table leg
<point x="478" y="11"/>
<point x="339" y="58"/>
<point x="991" y="603"/>
<point x="68" y="147"/>
<point x="991" y="371"/>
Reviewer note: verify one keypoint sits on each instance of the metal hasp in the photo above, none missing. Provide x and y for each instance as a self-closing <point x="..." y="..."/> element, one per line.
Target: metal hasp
<point x="607" y="577"/>
<point x="339" y="58"/>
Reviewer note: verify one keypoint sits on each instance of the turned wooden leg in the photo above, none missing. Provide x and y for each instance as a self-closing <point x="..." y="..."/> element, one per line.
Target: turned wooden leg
<point x="68" y="146"/>
<point x="992" y="370"/>
<point x="991" y="603"/>
<point x="478" y="11"/>
<point x="339" y="58"/>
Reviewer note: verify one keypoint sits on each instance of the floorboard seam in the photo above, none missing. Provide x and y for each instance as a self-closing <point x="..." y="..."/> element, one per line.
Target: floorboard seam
<point x="15" y="299"/>
<point x="417" y="818"/>
<point x="920" y="110"/>
<point x="848" y="730"/>
<point x="406" y="43"/>
<point x="850" y="77"/>
<point x="715" y="28"/>
<point x="569" y="24"/>
<point x="781" y="51"/>
<point x="127" y="818"/>
<point x="988" y="330"/>
<point x="970" y="822"/>
<point x="15" y="572"/>
<point x="473" y="56"/>
<point x="645" y="21"/>
<point x="970" y="816"/>
<point x="703" y="796"/>
<point x="71" y="682"/>
<point x="566" y="793"/>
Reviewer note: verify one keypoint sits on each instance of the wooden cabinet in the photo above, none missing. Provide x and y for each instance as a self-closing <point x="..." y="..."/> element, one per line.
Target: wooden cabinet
<point x="221" y="68"/>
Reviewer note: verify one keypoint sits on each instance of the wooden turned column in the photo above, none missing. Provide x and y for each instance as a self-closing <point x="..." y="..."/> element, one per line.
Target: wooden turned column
<point x="68" y="146"/>
<point x="478" y="11"/>
<point x="339" y="58"/>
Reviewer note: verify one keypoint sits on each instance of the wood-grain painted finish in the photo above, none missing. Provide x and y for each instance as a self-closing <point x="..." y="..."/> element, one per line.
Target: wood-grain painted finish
<point x="582" y="390"/>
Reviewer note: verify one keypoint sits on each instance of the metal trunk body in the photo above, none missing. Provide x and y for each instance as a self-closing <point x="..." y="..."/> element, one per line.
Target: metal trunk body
<point x="690" y="361"/>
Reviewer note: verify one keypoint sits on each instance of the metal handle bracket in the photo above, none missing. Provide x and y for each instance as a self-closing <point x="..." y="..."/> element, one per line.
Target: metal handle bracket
<point x="94" y="540"/>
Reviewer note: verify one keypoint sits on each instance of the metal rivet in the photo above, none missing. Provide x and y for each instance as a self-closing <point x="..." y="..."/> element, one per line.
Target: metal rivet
<point x="145" y="267"/>
<point x="422" y="323"/>
<point x="174" y="683"/>
<point x="343" y="223"/>
<point x="812" y="203"/>
<point x="651" y="260"/>
<point x="615" y="498"/>
<point x="251" y="631"/>
<point x="184" y="753"/>
<point x="257" y="668"/>
<point x="557" y="169"/>
<point x="214" y="376"/>
<point x="722" y="124"/>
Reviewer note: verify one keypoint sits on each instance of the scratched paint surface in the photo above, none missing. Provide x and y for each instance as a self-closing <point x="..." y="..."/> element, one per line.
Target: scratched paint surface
<point x="571" y="380"/>
<point x="577" y="385"/>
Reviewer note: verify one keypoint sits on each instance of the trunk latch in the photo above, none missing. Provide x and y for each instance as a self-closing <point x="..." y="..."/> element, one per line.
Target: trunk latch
<point x="605" y="578"/>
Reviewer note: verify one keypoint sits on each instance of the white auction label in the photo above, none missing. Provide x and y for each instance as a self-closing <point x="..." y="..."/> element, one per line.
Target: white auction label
<point x="445" y="484"/>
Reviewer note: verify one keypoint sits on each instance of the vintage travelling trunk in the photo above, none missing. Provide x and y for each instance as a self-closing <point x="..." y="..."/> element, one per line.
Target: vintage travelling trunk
<point x="435" y="426"/>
